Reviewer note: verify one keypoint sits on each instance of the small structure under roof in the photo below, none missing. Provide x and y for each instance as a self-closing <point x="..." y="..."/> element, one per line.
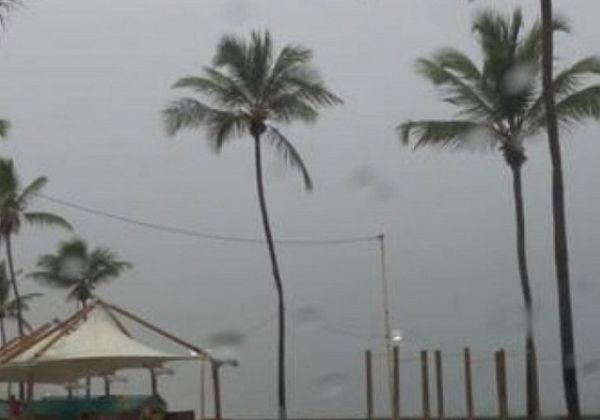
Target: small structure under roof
<point x="92" y="342"/>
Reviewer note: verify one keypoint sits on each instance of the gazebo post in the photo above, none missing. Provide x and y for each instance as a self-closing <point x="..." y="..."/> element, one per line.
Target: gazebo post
<point x="153" y="382"/>
<point x="216" y="388"/>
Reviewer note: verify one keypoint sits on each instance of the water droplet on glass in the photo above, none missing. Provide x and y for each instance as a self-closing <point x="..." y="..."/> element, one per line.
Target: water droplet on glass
<point x="72" y="267"/>
<point x="331" y="385"/>
<point x="236" y="12"/>
<point x="307" y="317"/>
<point x="383" y="190"/>
<point x="520" y="78"/>
<point x="226" y="344"/>
<point x="591" y="367"/>
<point x="362" y="177"/>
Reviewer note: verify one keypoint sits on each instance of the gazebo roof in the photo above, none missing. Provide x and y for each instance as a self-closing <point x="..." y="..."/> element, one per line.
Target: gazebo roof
<point x="92" y="342"/>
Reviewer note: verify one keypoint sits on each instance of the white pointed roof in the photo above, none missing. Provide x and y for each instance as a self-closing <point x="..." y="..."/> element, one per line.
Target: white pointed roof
<point x="96" y="345"/>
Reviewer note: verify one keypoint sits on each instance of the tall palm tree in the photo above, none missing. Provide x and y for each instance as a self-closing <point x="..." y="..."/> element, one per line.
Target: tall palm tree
<point x="8" y="306"/>
<point x="248" y="88"/>
<point x="79" y="269"/>
<point x="561" y="255"/>
<point x="15" y="201"/>
<point x="501" y="102"/>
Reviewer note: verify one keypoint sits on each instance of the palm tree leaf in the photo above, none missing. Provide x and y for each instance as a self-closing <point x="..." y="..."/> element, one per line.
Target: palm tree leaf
<point x="233" y="54"/>
<point x="456" y="91"/>
<point x="456" y="61"/>
<point x="189" y="113"/>
<point x="52" y="279"/>
<point x="31" y="190"/>
<point x="219" y="87"/>
<point x="46" y="219"/>
<point x="286" y="150"/>
<point x="454" y="133"/>
<point x="578" y="106"/>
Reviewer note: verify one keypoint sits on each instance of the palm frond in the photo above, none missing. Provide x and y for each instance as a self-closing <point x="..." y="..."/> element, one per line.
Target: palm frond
<point x="579" y="106"/>
<point x="219" y="87"/>
<point x="453" y="133"/>
<point x="46" y="219"/>
<point x="189" y="113"/>
<point x="233" y="55"/>
<point x="456" y="61"/>
<point x="286" y="150"/>
<point x="470" y="99"/>
<point x="31" y="190"/>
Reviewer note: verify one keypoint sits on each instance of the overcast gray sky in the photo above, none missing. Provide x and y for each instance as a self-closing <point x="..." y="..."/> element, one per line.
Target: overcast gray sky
<point x="83" y="84"/>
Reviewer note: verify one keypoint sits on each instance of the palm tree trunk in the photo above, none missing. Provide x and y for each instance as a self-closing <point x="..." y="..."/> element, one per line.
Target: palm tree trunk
<point x="561" y="255"/>
<point x="533" y="399"/>
<point x="13" y="282"/>
<point x="278" y="285"/>
<point x="3" y="337"/>
<point x="2" y="332"/>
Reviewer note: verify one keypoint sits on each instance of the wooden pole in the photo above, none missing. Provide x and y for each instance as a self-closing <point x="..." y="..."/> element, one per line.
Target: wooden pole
<point x="425" y="385"/>
<point x="202" y="390"/>
<point x="386" y="322"/>
<point x="106" y="386"/>
<point x="153" y="383"/>
<point x="396" y="387"/>
<point x="369" y="383"/>
<point x="501" y="384"/>
<point x="439" y="383"/>
<point x="216" y="389"/>
<point x="468" y="384"/>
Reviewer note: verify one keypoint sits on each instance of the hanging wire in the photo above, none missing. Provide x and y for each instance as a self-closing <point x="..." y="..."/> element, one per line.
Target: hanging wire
<point x="199" y="234"/>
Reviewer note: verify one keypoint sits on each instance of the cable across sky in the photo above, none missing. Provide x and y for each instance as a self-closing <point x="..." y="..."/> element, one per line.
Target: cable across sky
<point x="199" y="234"/>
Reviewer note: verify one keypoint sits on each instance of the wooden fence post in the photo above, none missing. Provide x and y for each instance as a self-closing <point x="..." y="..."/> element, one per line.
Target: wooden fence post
<point x="501" y="384"/>
<point x="369" y="383"/>
<point x="396" y="387"/>
<point x="468" y="384"/>
<point x="439" y="381"/>
<point x="425" y="385"/>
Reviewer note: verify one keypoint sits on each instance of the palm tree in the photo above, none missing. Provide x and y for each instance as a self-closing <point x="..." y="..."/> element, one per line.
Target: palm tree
<point x="501" y="102"/>
<point x="247" y="89"/>
<point x="6" y="6"/>
<point x="14" y="203"/>
<point x="79" y="269"/>
<point x="561" y="256"/>
<point x="8" y="307"/>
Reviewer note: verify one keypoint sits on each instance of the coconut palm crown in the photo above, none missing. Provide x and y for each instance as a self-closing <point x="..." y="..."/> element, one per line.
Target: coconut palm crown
<point x="79" y="269"/>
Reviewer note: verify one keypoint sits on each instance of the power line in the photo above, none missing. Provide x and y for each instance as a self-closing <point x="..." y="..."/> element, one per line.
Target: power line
<point x="198" y="234"/>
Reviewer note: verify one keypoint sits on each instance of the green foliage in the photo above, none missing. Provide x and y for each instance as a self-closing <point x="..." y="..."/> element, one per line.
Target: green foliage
<point x="250" y="85"/>
<point x="78" y="269"/>
<point x="8" y="306"/>
<point x="502" y="95"/>
<point x="15" y="201"/>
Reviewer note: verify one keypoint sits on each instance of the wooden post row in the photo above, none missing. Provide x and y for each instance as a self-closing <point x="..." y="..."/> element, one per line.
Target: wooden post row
<point x="425" y="385"/>
<point x="396" y="387"/>
<point x="369" y="383"/>
<point x="501" y="384"/>
<point x="439" y="381"/>
<point x="468" y="384"/>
